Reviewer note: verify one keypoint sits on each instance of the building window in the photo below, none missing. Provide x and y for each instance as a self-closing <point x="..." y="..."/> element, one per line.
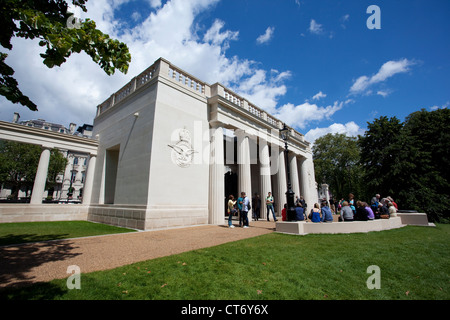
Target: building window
<point x="74" y="175"/>
<point x="75" y="160"/>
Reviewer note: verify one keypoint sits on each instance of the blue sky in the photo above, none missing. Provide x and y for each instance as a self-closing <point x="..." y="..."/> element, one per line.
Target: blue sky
<point x="313" y="64"/>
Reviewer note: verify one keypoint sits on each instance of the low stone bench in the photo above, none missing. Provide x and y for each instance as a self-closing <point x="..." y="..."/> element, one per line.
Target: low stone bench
<point x="303" y="227"/>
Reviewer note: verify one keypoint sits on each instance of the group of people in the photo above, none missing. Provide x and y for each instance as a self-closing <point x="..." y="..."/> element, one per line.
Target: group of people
<point x="242" y="206"/>
<point x="348" y="210"/>
<point x="317" y="214"/>
<point x="352" y="210"/>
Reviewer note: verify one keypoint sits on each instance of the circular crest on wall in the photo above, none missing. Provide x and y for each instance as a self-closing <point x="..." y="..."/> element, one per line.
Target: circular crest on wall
<point x="182" y="151"/>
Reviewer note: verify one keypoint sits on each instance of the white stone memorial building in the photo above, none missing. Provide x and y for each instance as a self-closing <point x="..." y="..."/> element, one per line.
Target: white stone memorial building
<point x="170" y="145"/>
<point x="167" y="149"/>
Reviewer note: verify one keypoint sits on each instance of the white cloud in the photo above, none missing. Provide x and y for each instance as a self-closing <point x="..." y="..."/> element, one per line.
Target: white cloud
<point x="155" y="3"/>
<point x="386" y="71"/>
<point x="344" y="19"/>
<point x="264" y="91"/>
<point x="301" y="115"/>
<point x="214" y="36"/>
<point x="264" y="38"/>
<point x="350" y="129"/>
<point x="436" y="107"/>
<point x="315" y="27"/>
<point x="383" y="93"/>
<point x="70" y="93"/>
<point x="319" y="95"/>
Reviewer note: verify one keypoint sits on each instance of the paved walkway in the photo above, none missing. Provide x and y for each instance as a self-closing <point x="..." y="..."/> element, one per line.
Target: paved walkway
<point x="45" y="261"/>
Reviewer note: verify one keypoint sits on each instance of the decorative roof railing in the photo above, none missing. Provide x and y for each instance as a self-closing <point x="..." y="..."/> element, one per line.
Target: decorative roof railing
<point x="173" y="73"/>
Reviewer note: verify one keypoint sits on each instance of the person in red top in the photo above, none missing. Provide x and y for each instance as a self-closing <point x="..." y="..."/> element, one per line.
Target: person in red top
<point x="283" y="213"/>
<point x="392" y="200"/>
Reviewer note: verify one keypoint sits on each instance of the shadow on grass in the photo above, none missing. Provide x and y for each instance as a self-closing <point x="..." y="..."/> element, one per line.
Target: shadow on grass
<point x="38" y="291"/>
<point x="18" y="260"/>
<point x="14" y="239"/>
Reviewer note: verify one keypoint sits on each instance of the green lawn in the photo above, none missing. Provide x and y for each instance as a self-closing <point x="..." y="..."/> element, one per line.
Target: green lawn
<point x="16" y="233"/>
<point x="414" y="264"/>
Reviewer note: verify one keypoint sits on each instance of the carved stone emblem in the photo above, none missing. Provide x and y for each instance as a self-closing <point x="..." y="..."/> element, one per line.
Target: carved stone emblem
<point x="182" y="152"/>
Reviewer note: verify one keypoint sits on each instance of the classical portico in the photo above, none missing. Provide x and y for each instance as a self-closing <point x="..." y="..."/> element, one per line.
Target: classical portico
<point x="166" y="141"/>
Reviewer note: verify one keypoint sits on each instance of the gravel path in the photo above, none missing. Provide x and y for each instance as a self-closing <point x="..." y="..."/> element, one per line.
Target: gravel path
<point x="45" y="261"/>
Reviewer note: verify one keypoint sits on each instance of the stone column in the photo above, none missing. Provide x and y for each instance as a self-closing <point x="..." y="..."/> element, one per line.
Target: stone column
<point x="216" y="177"/>
<point x="282" y="182"/>
<point x="87" y="193"/>
<point x="308" y="181"/>
<point x="304" y="180"/>
<point x="41" y="177"/>
<point x="266" y="183"/>
<point x="294" y="174"/>
<point x="243" y="159"/>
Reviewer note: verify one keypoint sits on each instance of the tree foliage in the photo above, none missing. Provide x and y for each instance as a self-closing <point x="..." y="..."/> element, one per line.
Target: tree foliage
<point x="407" y="160"/>
<point x="19" y="162"/>
<point x="379" y="155"/>
<point x="410" y="161"/>
<point x="52" y="23"/>
<point x="426" y="172"/>
<point x="336" y="162"/>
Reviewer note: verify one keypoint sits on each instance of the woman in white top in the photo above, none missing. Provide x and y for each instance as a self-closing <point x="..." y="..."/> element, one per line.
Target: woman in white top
<point x="392" y="210"/>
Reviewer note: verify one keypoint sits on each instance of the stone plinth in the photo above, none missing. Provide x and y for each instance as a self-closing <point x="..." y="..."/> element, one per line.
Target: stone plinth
<point x="403" y="219"/>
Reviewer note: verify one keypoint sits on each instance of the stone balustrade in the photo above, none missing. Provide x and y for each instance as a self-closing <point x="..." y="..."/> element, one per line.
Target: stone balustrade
<point x="175" y="74"/>
<point x="186" y="79"/>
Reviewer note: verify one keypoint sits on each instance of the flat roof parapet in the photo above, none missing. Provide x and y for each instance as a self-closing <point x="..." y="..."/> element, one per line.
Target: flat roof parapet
<point x="164" y="68"/>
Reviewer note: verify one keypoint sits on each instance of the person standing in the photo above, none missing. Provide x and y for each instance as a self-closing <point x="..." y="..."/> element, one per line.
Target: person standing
<point x="239" y="205"/>
<point x="231" y="210"/>
<point x="256" y="205"/>
<point x="245" y="208"/>
<point x="269" y="204"/>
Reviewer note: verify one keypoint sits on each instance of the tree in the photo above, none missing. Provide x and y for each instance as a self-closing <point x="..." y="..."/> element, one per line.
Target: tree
<point x="379" y="155"/>
<point x="19" y="162"/>
<point x="410" y="161"/>
<point x="336" y="162"/>
<point x="427" y="167"/>
<point x="56" y="166"/>
<point x="52" y="23"/>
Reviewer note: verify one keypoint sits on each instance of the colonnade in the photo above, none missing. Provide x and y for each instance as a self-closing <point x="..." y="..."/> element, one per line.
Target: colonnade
<point x="271" y="167"/>
<point x="41" y="177"/>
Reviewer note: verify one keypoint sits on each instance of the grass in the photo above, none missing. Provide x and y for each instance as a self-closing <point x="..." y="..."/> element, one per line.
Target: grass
<point x="414" y="264"/>
<point x="23" y="232"/>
